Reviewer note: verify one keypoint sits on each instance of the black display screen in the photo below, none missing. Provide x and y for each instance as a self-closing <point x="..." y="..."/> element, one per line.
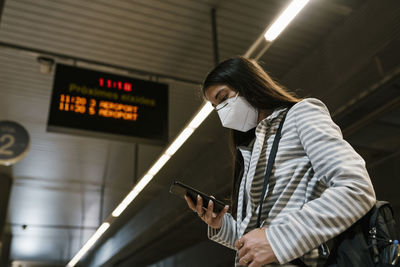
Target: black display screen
<point x="89" y="102"/>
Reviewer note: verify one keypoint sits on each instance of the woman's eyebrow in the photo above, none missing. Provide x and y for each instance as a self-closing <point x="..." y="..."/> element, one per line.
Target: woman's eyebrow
<point x="216" y="95"/>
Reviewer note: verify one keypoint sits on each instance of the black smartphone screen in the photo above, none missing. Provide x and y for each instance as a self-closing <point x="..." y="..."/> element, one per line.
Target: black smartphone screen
<point x="179" y="189"/>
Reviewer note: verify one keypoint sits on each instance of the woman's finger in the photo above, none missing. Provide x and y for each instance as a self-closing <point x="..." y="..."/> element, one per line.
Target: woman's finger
<point x="190" y="203"/>
<point x="239" y="243"/>
<point x="243" y="249"/>
<point x="199" y="205"/>
<point x="245" y="260"/>
<point x="209" y="212"/>
<point x="222" y="213"/>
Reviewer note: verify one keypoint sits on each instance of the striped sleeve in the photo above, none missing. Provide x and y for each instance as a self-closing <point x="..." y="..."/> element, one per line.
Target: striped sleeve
<point x="349" y="194"/>
<point x="227" y="234"/>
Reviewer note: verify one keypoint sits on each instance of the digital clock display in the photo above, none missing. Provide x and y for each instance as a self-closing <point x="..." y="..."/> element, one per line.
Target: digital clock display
<point x="88" y="102"/>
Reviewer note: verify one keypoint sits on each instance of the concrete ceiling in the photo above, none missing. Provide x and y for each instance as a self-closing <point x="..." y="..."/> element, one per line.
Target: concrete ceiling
<point x="67" y="185"/>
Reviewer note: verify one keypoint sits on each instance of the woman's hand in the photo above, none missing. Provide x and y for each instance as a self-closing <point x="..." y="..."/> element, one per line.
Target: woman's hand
<point x="211" y="218"/>
<point x="254" y="249"/>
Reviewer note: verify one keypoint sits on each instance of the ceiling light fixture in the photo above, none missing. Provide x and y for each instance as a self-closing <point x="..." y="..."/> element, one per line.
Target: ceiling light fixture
<point x="89" y="244"/>
<point x="132" y="195"/>
<point x="284" y="19"/>
<point x="183" y="136"/>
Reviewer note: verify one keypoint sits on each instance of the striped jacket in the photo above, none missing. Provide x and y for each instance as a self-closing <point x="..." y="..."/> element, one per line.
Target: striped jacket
<point x="319" y="185"/>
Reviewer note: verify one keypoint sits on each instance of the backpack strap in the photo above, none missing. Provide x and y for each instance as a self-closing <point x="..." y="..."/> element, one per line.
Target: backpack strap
<point x="270" y="164"/>
<point x="375" y="214"/>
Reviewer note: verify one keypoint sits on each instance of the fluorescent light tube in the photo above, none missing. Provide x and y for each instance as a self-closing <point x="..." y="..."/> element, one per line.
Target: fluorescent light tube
<point x="132" y="195"/>
<point x="201" y="115"/>
<point x="89" y="244"/>
<point x="187" y="132"/>
<point x="159" y="164"/>
<point x="284" y="19"/>
<point x="183" y="136"/>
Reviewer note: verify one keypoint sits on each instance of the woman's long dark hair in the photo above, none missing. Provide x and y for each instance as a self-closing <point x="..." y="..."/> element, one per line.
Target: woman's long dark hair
<point x="248" y="78"/>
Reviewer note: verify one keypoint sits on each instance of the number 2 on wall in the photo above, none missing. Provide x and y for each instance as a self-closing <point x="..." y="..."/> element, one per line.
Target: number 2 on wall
<point x="3" y="148"/>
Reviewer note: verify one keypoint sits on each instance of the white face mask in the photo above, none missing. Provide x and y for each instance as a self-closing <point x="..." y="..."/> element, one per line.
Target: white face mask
<point x="236" y="113"/>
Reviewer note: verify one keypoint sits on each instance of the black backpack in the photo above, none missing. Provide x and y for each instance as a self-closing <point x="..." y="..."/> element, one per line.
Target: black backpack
<point x="370" y="242"/>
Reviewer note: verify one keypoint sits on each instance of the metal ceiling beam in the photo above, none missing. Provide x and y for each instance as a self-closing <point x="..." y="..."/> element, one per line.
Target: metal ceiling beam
<point x="384" y="159"/>
<point x="365" y="93"/>
<point x="5" y="190"/>
<point x="1" y="8"/>
<point x="5" y="236"/>
<point x="372" y="116"/>
<point x="214" y="35"/>
<point x="5" y="243"/>
<point x="103" y="183"/>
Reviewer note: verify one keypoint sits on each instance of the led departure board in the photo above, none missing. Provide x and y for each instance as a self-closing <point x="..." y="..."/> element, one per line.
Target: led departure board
<point x="88" y="102"/>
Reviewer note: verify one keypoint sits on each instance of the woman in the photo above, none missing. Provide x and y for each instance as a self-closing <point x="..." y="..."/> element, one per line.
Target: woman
<point x="318" y="186"/>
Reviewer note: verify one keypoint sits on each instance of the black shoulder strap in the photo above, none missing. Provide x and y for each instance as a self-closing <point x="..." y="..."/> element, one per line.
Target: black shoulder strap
<point x="375" y="213"/>
<point x="271" y="160"/>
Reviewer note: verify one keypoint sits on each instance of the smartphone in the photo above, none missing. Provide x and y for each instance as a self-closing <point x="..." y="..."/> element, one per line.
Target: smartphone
<point x="181" y="190"/>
